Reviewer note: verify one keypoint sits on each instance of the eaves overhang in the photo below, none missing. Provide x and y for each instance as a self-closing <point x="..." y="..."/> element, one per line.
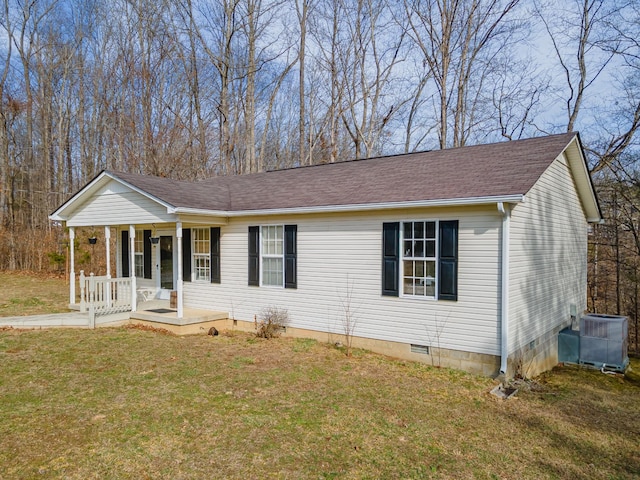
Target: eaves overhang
<point x="584" y="183"/>
<point x="515" y="198"/>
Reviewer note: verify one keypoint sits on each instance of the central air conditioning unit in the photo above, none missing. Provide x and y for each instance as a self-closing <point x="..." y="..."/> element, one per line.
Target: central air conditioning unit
<point x="600" y="343"/>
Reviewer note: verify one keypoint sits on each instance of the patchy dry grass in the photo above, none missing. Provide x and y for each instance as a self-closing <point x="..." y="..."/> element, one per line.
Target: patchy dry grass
<point x="129" y="403"/>
<point x="32" y="294"/>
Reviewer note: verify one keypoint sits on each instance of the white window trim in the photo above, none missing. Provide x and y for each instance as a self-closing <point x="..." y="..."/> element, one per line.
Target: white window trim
<point x="138" y="241"/>
<point x="200" y="255"/>
<point x="263" y="255"/>
<point x="435" y="258"/>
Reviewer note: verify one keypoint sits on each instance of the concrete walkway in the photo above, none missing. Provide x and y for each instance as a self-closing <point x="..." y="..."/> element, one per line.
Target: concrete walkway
<point x="70" y="319"/>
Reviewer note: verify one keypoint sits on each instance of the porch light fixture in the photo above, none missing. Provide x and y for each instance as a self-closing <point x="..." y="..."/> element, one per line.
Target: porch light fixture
<point x="92" y="240"/>
<point x="154" y="240"/>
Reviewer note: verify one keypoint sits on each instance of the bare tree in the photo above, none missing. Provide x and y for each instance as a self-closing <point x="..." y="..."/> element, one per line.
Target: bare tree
<point x="457" y="39"/>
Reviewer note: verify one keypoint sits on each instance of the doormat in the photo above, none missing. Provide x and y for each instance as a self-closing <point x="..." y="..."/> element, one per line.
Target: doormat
<point x="161" y="310"/>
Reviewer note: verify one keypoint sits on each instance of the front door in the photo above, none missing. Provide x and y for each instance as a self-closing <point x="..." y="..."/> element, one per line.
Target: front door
<point x="166" y="262"/>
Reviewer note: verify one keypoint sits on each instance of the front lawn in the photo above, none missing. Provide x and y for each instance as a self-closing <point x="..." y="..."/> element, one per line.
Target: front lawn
<point x="28" y="293"/>
<point x="130" y="403"/>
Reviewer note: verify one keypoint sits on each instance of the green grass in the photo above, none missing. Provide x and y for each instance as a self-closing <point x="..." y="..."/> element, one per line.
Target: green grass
<point x="31" y="294"/>
<point x="127" y="403"/>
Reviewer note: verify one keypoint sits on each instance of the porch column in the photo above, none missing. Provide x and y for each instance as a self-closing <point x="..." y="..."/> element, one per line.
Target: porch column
<point x="179" y="286"/>
<point x="107" y="243"/>
<point x="132" y="266"/>
<point x="72" y="266"/>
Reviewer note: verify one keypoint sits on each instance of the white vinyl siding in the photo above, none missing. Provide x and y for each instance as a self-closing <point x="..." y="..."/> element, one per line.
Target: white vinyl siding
<point x="548" y="257"/>
<point x="337" y="252"/>
<point x="115" y="204"/>
<point x="201" y="253"/>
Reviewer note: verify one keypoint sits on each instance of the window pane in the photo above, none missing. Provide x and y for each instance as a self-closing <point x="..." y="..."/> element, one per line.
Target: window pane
<point x="418" y="248"/>
<point x="408" y="269"/>
<point x="431" y="230"/>
<point x="418" y="230"/>
<point x="431" y="248"/>
<point x="419" y="269"/>
<point x="408" y="286"/>
<point x="420" y="287"/>
<point x="408" y="251"/>
<point x="138" y="243"/>
<point x="272" y="271"/>
<point x="431" y="269"/>
<point x="408" y="230"/>
<point x="430" y="290"/>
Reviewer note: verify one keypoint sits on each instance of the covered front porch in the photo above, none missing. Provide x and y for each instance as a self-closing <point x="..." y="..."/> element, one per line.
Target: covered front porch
<point x="148" y="284"/>
<point x="107" y="302"/>
<point x="151" y="247"/>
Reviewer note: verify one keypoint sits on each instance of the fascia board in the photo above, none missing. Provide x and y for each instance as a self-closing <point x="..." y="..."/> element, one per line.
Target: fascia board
<point x="518" y="198"/>
<point x="58" y="214"/>
<point x="578" y="165"/>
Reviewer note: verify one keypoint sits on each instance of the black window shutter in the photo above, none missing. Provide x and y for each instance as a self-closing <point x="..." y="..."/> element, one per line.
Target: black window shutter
<point x="290" y="256"/>
<point x="448" y="261"/>
<point x="390" y="258"/>
<point x="186" y="254"/>
<point x="215" y="254"/>
<point x="254" y="256"/>
<point x="125" y="252"/>
<point x="147" y="253"/>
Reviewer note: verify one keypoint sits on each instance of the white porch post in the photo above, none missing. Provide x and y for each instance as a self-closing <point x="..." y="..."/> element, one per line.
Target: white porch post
<point x="107" y="243"/>
<point x="179" y="289"/>
<point x="132" y="266"/>
<point x="72" y="266"/>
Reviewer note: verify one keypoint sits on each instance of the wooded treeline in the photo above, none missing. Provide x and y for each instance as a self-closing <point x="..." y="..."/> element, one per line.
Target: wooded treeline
<point x="194" y="88"/>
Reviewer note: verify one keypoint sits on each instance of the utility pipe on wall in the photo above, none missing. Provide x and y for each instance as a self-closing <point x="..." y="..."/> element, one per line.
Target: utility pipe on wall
<point x="505" y="210"/>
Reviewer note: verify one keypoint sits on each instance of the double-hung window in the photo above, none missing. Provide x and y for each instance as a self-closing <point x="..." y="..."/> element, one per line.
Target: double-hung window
<point x="419" y="262"/>
<point x="420" y="259"/>
<point x="201" y="254"/>
<point x="273" y="251"/>
<point x="272" y="257"/>
<point x="139" y="254"/>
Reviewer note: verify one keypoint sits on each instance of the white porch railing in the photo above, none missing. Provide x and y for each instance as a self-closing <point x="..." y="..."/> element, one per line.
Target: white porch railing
<point x="103" y="295"/>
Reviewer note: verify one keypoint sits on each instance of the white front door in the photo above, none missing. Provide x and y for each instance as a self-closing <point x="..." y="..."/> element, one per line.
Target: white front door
<point x="166" y="262"/>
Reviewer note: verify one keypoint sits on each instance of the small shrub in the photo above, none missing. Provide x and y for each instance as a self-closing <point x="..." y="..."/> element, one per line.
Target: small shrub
<point x="272" y="322"/>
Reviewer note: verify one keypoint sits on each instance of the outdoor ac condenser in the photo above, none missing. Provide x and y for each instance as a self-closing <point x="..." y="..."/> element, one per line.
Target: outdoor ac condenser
<point x="603" y="341"/>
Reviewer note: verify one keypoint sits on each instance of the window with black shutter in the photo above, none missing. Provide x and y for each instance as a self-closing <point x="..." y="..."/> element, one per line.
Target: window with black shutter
<point x="422" y="256"/>
<point x="254" y="256"/>
<point x="124" y="257"/>
<point x="390" y="258"/>
<point x="215" y="254"/>
<point x="290" y="256"/>
<point x="146" y="237"/>
<point x="448" y="258"/>
<point x="186" y="254"/>
<point x="273" y="252"/>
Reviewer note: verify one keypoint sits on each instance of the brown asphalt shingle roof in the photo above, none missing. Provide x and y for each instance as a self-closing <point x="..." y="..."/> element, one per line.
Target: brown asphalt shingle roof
<point x="498" y="169"/>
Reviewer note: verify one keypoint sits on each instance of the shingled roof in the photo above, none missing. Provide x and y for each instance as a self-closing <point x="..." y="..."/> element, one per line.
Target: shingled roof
<point x="497" y="172"/>
<point x="481" y="171"/>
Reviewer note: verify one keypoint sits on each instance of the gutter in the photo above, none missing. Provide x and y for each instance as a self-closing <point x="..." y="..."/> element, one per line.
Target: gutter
<point x="518" y="198"/>
<point x="505" y="210"/>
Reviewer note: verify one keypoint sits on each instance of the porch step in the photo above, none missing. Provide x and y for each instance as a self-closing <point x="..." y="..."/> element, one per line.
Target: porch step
<point x="170" y="316"/>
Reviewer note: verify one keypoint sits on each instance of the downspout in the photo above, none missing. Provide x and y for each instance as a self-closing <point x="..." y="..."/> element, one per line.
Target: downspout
<point x="504" y="285"/>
